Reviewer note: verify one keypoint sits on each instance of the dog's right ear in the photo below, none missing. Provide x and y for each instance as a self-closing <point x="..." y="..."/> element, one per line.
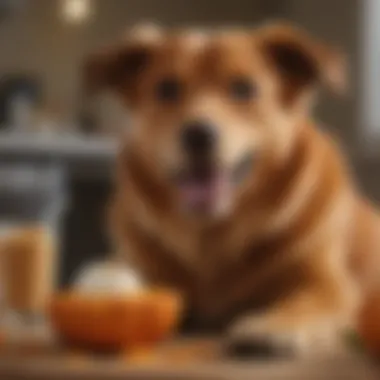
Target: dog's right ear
<point x="302" y="61"/>
<point x="119" y="68"/>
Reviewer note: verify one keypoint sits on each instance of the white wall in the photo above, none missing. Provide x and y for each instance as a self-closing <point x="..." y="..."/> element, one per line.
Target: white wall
<point x="371" y="69"/>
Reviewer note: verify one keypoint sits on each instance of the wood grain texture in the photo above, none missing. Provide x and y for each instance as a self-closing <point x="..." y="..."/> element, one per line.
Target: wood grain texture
<point x="51" y="363"/>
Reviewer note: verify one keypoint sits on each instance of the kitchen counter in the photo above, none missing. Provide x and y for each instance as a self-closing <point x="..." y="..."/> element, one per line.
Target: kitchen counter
<point x="62" y="145"/>
<point x="81" y="155"/>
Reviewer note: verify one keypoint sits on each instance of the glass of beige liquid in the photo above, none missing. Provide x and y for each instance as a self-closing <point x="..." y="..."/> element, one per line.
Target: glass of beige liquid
<point x="28" y="271"/>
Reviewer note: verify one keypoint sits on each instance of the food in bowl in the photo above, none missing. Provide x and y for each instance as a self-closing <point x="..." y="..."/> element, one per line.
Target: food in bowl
<point x="110" y="317"/>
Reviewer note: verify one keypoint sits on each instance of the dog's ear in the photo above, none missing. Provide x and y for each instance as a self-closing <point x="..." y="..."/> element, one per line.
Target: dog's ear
<point x="115" y="68"/>
<point x="301" y="61"/>
<point x="118" y="68"/>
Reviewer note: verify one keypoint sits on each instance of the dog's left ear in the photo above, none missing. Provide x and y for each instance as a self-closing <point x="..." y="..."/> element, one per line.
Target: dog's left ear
<point x="118" y="68"/>
<point x="301" y="61"/>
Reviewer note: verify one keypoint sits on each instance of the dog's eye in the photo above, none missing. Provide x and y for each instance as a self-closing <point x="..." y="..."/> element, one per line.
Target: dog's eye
<point x="168" y="90"/>
<point x="242" y="89"/>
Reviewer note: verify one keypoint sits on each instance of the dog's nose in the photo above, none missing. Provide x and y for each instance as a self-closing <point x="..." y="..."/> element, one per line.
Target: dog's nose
<point x="198" y="137"/>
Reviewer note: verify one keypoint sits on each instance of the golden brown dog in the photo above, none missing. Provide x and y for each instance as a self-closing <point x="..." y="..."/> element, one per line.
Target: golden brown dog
<point x="226" y="188"/>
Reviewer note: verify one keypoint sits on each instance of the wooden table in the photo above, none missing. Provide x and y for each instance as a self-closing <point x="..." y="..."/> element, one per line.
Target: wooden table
<point x="47" y="362"/>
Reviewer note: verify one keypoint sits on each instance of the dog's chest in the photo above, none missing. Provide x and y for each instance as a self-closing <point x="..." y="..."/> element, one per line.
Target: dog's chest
<point x="207" y="258"/>
<point x="203" y="253"/>
<point x="218" y="275"/>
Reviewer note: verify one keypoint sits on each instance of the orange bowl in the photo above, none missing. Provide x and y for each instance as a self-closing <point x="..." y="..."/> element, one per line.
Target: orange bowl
<point x="115" y="322"/>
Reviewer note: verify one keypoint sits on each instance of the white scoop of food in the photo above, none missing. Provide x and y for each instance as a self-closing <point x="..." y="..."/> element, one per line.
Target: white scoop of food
<point x="107" y="278"/>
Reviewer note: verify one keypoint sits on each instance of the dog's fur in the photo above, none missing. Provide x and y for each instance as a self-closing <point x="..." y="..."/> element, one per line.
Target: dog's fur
<point x="294" y="247"/>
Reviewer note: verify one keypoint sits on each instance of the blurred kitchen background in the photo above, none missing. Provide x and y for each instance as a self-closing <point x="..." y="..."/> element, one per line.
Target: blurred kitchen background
<point x="57" y="148"/>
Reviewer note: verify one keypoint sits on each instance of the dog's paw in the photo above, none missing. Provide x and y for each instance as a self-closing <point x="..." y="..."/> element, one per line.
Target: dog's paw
<point x="252" y="337"/>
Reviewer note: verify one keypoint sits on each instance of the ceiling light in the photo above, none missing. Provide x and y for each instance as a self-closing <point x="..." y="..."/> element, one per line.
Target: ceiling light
<point x="76" y="11"/>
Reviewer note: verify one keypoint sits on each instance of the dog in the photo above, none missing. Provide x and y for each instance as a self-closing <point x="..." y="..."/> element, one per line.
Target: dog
<point x="228" y="190"/>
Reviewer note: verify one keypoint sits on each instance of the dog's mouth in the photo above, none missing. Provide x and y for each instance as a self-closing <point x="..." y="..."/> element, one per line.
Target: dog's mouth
<point x="200" y="191"/>
<point x="205" y="187"/>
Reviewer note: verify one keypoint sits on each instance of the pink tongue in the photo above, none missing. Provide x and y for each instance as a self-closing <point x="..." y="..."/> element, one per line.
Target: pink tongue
<point x="203" y="193"/>
<point x="199" y="193"/>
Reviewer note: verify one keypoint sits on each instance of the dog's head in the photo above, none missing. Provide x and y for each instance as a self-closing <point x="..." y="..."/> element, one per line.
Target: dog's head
<point x="208" y="108"/>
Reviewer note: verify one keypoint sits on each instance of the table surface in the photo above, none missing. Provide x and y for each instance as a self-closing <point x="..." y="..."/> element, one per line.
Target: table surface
<point x="190" y="359"/>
